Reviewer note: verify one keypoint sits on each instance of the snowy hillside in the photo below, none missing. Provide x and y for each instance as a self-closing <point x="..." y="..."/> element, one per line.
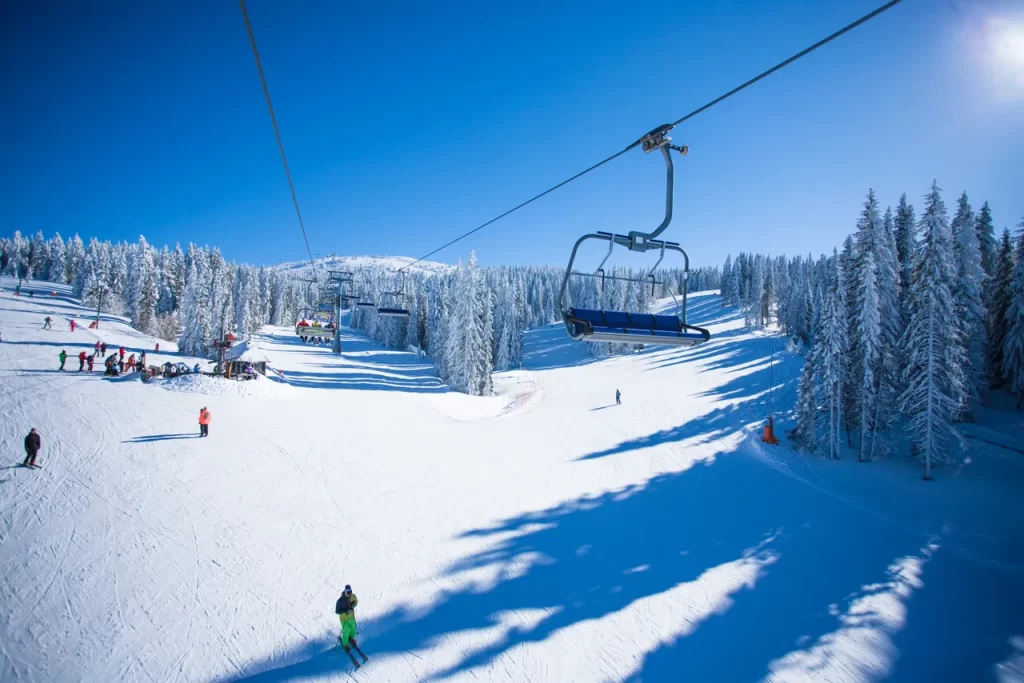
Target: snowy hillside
<point x="544" y="534"/>
<point x="392" y="263"/>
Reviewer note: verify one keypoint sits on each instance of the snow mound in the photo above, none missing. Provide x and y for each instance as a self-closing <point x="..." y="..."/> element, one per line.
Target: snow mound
<point x="514" y="391"/>
<point x="218" y="386"/>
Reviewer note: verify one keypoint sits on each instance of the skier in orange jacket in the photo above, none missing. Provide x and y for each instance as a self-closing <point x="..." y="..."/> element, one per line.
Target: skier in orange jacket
<point x="204" y="422"/>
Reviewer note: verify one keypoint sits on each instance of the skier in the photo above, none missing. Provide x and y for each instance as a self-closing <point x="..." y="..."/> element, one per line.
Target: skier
<point x="90" y="360"/>
<point x="196" y="369"/>
<point x="204" y="422"/>
<point x="73" y="325"/>
<point x="81" y="361"/>
<point x="103" y="348"/>
<point x="98" y="347"/>
<point x="345" y="608"/>
<point x="142" y="361"/>
<point x="131" y="363"/>
<point x="157" y="349"/>
<point x="121" y="352"/>
<point x="63" y="359"/>
<point x="46" y="323"/>
<point x="33" y="443"/>
<point x="618" y="398"/>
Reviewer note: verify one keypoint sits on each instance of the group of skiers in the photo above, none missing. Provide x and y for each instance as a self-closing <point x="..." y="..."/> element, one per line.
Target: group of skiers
<point x="115" y="363"/>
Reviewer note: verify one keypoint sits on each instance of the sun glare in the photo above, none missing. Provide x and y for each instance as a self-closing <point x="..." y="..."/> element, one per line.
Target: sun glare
<point x="1007" y="48"/>
<point x="998" y="43"/>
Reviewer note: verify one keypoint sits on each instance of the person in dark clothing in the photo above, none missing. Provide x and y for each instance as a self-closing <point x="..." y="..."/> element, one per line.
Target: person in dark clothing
<point x="345" y="608"/>
<point x="103" y="348"/>
<point x="46" y="323"/>
<point x="33" y="443"/>
<point x="618" y="398"/>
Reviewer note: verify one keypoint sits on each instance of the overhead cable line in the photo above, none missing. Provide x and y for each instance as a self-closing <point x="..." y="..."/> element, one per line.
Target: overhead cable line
<point x="277" y="132"/>
<point x="824" y="41"/>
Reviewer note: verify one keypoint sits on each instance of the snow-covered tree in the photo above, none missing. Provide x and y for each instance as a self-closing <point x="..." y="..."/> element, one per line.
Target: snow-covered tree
<point x="39" y="257"/>
<point x="805" y="434"/>
<point x="986" y="240"/>
<point x="970" y="310"/>
<point x="140" y="287"/>
<point x="242" y="291"/>
<point x="58" y="259"/>
<point x="1013" y="344"/>
<point x="755" y="295"/>
<point x="73" y="257"/>
<point x="832" y="350"/>
<point x="933" y="373"/>
<point x="906" y="246"/>
<point x="1001" y="286"/>
<point x="196" y="314"/>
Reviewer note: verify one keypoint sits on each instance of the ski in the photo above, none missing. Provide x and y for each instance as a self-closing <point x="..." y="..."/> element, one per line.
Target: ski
<point x="351" y="656"/>
<point x="361" y="653"/>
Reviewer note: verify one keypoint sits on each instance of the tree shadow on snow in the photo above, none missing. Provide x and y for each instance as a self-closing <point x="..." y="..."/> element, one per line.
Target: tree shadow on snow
<point x="758" y="558"/>
<point x="760" y="566"/>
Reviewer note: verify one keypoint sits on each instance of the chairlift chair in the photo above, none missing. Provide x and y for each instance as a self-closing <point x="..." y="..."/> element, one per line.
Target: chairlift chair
<point x="594" y="325"/>
<point x="396" y="307"/>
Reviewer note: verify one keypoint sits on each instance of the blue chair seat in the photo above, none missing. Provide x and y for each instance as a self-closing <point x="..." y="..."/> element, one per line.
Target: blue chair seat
<point x="593" y="323"/>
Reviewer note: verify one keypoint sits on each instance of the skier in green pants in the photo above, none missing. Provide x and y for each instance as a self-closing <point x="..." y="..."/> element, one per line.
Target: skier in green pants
<point x="345" y="609"/>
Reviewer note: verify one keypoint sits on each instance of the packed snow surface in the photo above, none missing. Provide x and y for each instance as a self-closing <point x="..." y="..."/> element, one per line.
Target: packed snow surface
<point x="543" y="534"/>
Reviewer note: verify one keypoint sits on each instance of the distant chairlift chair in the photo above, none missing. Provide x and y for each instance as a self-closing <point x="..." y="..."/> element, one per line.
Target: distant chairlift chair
<point x="394" y="303"/>
<point x="592" y="325"/>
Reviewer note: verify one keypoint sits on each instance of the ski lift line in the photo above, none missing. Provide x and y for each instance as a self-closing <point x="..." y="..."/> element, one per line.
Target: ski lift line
<point x="803" y="53"/>
<point x="277" y="132"/>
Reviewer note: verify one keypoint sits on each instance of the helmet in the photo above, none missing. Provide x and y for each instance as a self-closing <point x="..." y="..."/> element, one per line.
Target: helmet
<point x="348" y="589"/>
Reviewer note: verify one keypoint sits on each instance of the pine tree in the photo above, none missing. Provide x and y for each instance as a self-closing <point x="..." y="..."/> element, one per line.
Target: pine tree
<point x="58" y="259"/>
<point x="177" y="276"/>
<point x="970" y="311"/>
<point x="868" y="338"/>
<point x="195" y="332"/>
<point x="832" y="349"/>
<point x="727" y="282"/>
<point x="39" y="258"/>
<point x="1001" y="285"/>
<point x="755" y="295"/>
<point x="484" y="343"/>
<point x="866" y="341"/>
<point x="933" y="373"/>
<point x="74" y="255"/>
<point x="987" y="240"/>
<point x="241" y="298"/>
<point x="1013" y="345"/>
<point x="906" y="247"/>
<point x="805" y="434"/>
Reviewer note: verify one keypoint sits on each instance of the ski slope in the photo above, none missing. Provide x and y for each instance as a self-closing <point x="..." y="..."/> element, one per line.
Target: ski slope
<point x="544" y="534"/>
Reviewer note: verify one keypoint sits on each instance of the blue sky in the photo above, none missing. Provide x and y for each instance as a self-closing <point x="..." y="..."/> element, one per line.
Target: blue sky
<point x="408" y="123"/>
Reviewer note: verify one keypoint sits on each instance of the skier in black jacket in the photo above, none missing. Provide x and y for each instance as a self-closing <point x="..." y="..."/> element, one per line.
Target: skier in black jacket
<point x="33" y="443"/>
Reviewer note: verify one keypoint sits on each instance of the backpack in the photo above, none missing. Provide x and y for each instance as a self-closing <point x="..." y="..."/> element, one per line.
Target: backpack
<point x="343" y="605"/>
